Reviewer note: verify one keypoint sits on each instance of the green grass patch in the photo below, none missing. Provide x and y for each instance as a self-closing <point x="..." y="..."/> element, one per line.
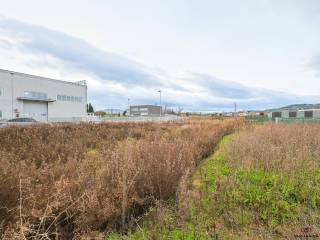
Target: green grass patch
<point x="234" y="203"/>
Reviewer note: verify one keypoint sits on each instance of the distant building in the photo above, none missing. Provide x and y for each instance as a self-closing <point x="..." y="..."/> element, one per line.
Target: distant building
<point x="301" y="113"/>
<point x="256" y="113"/>
<point x="44" y="99"/>
<point x="227" y="114"/>
<point x="241" y="114"/>
<point x="145" y="110"/>
<point x="112" y="111"/>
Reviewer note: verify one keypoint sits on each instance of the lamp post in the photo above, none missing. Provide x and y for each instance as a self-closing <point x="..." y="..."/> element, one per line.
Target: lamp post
<point x="159" y="91"/>
<point x="128" y="106"/>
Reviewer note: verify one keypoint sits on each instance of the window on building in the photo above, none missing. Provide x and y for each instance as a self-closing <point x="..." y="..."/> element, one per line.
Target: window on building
<point x="144" y="109"/>
<point x="35" y="95"/>
<point x="69" y="98"/>
<point x="308" y="114"/>
<point x="276" y="115"/>
<point x="0" y="114"/>
<point x="292" y="114"/>
<point x="1" y="92"/>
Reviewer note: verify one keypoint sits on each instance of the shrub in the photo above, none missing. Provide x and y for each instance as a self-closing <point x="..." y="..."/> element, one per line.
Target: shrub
<point x="67" y="180"/>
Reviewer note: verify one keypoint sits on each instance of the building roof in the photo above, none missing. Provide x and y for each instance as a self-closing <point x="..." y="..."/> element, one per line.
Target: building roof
<point x="296" y="110"/>
<point x="79" y="83"/>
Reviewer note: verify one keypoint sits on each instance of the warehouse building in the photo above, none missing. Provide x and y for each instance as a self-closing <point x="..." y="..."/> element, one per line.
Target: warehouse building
<point x="44" y="99"/>
<point x="301" y="113"/>
<point x="146" y="110"/>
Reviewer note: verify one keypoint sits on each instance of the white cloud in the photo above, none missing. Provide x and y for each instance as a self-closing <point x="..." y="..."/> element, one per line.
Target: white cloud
<point x="114" y="77"/>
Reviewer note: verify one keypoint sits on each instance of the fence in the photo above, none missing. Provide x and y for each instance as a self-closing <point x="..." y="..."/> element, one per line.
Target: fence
<point x="142" y="119"/>
<point x="265" y="119"/>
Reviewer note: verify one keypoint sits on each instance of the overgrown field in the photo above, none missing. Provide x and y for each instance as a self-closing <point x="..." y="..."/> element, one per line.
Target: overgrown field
<point x="262" y="183"/>
<point x="77" y="181"/>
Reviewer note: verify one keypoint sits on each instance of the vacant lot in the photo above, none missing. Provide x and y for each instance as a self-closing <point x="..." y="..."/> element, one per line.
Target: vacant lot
<point x="68" y="181"/>
<point x="262" y="183"/>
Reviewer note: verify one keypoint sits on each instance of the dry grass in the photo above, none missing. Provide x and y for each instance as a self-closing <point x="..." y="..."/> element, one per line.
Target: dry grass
<point x="277" y="147"/>
<point x="263" y="182"/>
<point x="65" y="181"/>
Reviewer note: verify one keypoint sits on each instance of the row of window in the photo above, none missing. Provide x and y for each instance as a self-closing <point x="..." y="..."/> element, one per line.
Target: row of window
<point x="139" y="109"/>
<point x="35" y="95"/>
<point x="41" y="95"/>
<point x="307" y="114"/>
<point x="69" y="98"/>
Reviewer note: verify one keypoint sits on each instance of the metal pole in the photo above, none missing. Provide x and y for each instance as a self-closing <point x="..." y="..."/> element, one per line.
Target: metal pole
<point x="160" y="103"/>
<point x="11" y="95"/>
<point x="128" y="106"/>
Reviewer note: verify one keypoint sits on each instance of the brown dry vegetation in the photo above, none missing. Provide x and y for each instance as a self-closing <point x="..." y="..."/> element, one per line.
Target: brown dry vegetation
<point x="263" y="182"/>
<point x="67" y="180"/>
<point x="282" y="147"/>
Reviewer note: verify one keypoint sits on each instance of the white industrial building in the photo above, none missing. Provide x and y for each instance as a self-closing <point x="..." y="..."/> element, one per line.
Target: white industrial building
<point x="44" y="99"/>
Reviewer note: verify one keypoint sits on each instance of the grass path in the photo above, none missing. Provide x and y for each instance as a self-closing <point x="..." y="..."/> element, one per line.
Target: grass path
<point x="194" y="228"/>
<point x="227" y="202"/>
<point x="211" y="166"/>
<point x="237" y="203"/>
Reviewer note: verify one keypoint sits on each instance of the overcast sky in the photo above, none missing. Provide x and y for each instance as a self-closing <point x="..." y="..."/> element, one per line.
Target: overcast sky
<point x="203" y="54"/>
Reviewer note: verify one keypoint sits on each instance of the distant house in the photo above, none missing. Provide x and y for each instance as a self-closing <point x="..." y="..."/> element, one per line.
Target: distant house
<point x="145" y="110"/>
<point x="299" y="113"/>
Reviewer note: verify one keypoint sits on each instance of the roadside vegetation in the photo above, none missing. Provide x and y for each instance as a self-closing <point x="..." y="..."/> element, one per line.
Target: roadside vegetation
<point x="91" y="180"/>
<point x="263" y="182"/>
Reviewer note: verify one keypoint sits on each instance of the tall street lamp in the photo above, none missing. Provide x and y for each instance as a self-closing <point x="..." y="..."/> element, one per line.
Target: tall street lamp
<point x="128" y="106"/>
<point x="159" y="91"/>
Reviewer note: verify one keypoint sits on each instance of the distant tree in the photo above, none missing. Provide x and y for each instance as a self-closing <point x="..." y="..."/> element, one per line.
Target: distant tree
<point x="90" y="108"/>
<point x="124" y="113"/>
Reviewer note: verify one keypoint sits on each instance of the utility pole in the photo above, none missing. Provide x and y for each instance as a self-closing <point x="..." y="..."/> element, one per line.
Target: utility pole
<point x="159" y="91"/>
<point x="235" y="109"/>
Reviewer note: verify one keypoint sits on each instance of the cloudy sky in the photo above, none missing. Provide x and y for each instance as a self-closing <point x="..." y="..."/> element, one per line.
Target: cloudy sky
<point x="203" y="54"/>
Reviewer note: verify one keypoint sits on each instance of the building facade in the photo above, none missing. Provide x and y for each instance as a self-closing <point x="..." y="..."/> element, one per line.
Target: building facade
<point x="44" y="99"/>
<point x="301" y="113"/>
<point x="146" y="110"/>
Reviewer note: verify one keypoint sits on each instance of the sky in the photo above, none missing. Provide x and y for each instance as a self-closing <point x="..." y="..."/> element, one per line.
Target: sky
<point x="204" y="55"/>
